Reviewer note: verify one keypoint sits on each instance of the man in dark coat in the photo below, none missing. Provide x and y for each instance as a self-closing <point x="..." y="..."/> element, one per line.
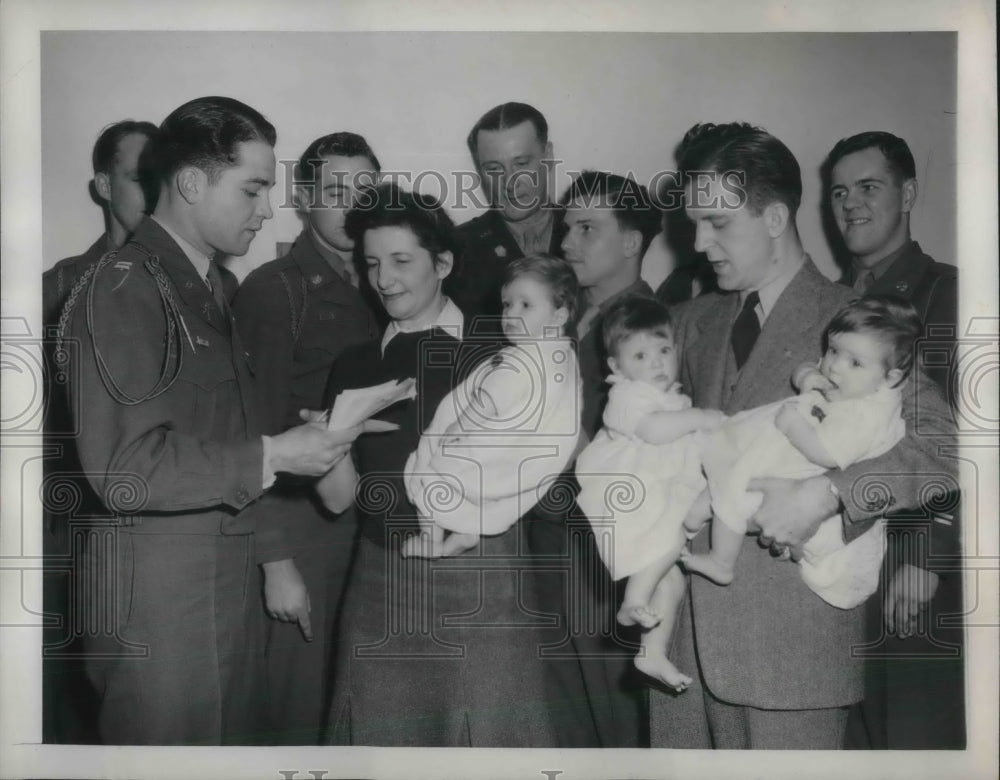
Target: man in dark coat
<point x="610" y="222"/>
<point x="296" y="315"/>
<point x="914" y="696"/>
<point x="511" y="150"/>
<point x="169" y="438"/>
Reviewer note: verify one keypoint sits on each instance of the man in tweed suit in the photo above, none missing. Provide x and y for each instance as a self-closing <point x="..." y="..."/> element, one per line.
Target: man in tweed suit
<point x="772" y="661"/>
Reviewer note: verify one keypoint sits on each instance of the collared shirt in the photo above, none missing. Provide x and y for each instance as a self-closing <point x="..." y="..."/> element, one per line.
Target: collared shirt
<point x="770" y="292"/>
<point x="533" y="234"/>
<point x="883" y="265"/>
<point x="451" y="320"/>
<point x="199" y="259"/>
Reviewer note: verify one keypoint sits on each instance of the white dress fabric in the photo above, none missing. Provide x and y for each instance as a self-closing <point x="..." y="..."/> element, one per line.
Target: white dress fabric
<point x="484" y="479"/>
<point x="636" y="494"/>
<point x="749" y="445"/>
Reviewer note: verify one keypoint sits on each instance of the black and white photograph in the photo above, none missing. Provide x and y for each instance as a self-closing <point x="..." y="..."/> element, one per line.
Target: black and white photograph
<point x="605" y="387"/>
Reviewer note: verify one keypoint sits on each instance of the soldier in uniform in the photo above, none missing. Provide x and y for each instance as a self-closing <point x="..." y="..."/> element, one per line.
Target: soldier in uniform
<point x="68" y="700"/>
<point x="511" y="150"/>
<point x="296" y="315"/>
<point x="119" y="186"/>
<point x="914" y="694"/>
<point x="170" y="440"/>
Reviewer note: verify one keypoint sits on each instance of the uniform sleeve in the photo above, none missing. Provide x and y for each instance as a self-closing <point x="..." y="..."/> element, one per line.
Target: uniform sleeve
<point x="920" y="470"/>
<point x="264" y="321"/>
<point x="137" y="455"/>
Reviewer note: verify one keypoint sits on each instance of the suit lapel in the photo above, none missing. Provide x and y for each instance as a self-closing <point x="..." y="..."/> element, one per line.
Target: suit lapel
<point x="706" y="353"/>
<point x="773" y="345"/>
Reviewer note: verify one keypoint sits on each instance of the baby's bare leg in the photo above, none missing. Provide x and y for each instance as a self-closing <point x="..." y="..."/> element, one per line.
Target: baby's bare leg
<point x="699" y="513"/>
<point x="652" y="659"/>
<point x="717" y="565"/>
<point x="636" y="606"/>
<point x="455" y="544"/>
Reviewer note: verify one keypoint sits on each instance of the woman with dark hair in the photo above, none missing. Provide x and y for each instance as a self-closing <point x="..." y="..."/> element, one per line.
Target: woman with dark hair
<point x="434" y="652"/>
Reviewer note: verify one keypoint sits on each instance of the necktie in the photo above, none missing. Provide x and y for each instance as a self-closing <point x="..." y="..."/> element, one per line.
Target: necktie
<point x="215" y="285"/>
<point x="746" y="329"/>
<point x="863" y="282"/>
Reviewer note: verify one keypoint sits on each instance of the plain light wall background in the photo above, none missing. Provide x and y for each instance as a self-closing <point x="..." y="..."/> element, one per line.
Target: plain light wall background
<point x="614" y="101"/>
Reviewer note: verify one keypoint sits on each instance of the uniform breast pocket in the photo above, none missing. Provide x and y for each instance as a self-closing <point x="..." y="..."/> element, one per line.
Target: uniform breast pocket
<point x="209" y="382"/>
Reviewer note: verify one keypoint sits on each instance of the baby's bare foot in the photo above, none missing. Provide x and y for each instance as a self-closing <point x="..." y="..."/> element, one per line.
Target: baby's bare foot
<point x="420" y="545"/>
<point x="707" y="566"/>
<point x="660" y="668"/>
<point x="641" y="614"/>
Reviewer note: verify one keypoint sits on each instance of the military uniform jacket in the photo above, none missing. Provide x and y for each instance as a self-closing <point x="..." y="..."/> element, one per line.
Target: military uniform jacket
<point x="797" y="645"/>
<point x="187" y="458"/>
<point x="296" y="315"/>
<point x="932" y="288"/>
<point x="60" y="278"/>
<point x="487" y="248"/>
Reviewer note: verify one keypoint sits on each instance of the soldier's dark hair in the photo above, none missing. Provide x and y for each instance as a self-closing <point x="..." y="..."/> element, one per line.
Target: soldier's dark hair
<point x="630" y="315"/>
<point x="108" y="142"/>
<point x="341" y="144"/>
<point x="897" y="153"/>
<point x="629" y="201"/>
<point x="892" y="321"/>
<point x="557" y="276"/>
<point x="505" y="116"/>
<point x="205" y="133"/>
<point x="388" y="205"/>
<point x="769" y="171"/>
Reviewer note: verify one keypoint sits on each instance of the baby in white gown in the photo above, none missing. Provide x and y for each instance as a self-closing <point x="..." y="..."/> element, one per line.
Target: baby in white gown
<point x="641" y="473"/>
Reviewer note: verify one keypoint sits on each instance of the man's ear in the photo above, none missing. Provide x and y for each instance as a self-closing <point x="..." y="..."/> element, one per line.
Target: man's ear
<point x="561" y="316"/>
<point x="776" y="218"/>
<point x="102" y="184"/>
<point x="909" y="195"/>
<point x="191" y="183"/>
<point x="301" y="196"/>
<point x="633" y="244"/>
<point x="893" y="377"/>
<point x="443" y="263"/>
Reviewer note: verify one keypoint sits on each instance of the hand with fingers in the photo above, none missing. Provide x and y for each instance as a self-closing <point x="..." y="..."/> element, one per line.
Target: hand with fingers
<point x="910" y="591"/>
<point x="286" y="597"/>
<point x="791" y="512"/>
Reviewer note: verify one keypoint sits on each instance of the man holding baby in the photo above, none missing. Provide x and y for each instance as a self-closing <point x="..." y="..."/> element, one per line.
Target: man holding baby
<point x="772" y="662"/>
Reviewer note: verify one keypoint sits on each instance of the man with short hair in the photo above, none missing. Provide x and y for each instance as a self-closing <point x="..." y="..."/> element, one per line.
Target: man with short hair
<point x="123" y="194"/>
<point x="296" y="315"/>
<point x="119" y="186"/>
<point x="609" y="223"/>
<point x="914" y="694"/>
<point x="772" y="661"/>
<point x="169" y="437"/>
<point x="511" y="150"/>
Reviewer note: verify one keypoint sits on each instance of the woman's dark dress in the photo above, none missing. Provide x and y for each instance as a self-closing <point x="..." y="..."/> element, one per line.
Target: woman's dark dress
<point x="432" y="653"/>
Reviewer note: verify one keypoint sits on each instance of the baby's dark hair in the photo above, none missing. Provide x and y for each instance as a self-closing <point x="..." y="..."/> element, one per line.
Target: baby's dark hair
<point x="892" y="321"/>
<point x="630" y="315"/>
<point x="557" y="275"/>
